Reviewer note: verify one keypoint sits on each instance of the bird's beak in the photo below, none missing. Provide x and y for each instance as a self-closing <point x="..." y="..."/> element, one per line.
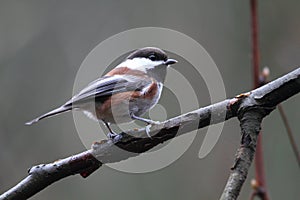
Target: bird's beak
<point x="170" y="61"/>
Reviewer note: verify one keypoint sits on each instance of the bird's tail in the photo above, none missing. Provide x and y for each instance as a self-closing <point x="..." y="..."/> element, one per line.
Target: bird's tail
<point x="51" y="113"/>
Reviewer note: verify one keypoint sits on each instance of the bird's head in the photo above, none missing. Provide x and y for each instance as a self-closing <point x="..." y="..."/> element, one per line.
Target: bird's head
<point x="150" y="60"/>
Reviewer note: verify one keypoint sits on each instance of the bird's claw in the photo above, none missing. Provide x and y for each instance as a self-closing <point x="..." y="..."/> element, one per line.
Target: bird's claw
<point x="154" y="122"/>
<point x="111" y="135"/>
<point x="147" y="129"/>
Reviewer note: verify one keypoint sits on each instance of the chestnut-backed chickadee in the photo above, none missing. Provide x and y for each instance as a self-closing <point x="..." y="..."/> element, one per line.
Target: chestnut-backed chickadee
<point x="123" y="94"/>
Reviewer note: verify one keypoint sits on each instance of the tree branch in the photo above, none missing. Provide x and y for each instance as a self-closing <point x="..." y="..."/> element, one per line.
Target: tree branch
<point x="251" y="113"/>
<point x="250" y="108"/>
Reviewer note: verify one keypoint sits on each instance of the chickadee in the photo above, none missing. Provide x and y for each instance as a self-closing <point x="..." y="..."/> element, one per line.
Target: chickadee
<point x="123" y="94"/>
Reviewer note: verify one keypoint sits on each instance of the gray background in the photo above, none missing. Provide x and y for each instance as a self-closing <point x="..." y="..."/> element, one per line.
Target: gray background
<point x="42" y="44"/>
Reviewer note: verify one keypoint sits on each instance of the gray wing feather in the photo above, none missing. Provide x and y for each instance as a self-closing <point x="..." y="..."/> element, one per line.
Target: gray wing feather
<point x="107" y="86"/>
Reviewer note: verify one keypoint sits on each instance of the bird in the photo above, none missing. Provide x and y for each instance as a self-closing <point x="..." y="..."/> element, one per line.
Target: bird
<point x="125" y="93"/>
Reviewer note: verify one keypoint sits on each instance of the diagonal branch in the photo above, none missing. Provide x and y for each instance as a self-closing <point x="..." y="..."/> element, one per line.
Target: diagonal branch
<point x="289" y="133"/>
<point x="258" y="102"/>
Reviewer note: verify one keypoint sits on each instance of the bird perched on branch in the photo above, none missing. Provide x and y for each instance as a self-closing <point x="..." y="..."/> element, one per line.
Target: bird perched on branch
<point x="123" y="94"/>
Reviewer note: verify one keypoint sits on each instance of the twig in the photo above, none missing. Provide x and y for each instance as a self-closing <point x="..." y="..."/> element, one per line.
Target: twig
<point x="290" y="133"/>
<point x="255" y="46"/>
<point x="259" y="159"/>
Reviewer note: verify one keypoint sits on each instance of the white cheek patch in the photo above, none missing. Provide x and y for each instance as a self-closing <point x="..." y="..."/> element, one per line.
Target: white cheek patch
<point x="141" y="64"/>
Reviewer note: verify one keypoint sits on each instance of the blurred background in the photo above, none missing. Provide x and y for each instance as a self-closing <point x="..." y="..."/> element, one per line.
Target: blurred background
<point x="43" y="43"/>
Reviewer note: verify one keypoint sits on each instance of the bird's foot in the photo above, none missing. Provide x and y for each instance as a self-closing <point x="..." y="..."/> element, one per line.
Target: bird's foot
<point x="148" y="121"/>
<point x="150" y="124"/>
<point x="147" y="129"/>
<point x="112" y="135"/>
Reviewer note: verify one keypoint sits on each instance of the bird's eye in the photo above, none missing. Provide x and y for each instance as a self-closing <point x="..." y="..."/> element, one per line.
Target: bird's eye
<point x="152" y="57"/>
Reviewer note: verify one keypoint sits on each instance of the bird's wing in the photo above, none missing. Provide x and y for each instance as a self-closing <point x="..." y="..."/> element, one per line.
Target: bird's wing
<point x="106" y="86"/>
